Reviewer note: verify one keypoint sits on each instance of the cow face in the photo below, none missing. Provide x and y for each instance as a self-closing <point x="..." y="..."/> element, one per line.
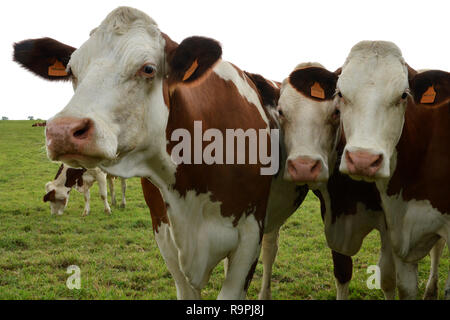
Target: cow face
<point x="122" y="77"/>
<point x="373" y="92"/>
<point x="310" y="122"/>
<point x="58" y="196"/>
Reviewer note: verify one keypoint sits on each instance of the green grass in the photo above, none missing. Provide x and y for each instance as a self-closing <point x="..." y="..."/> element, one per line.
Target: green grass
<point x="117" y="254"/>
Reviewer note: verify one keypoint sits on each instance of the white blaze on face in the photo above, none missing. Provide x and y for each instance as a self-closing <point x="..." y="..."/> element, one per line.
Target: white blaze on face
<point x="372" y="83"/>
<point x="109" y="90"/>
<point x="310" y="132"/>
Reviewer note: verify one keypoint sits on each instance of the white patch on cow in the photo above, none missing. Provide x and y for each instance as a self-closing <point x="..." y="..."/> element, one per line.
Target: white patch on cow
<point x="413" y="225"/>
<point x="372" y="81"/>
<point x="229" y="73"/>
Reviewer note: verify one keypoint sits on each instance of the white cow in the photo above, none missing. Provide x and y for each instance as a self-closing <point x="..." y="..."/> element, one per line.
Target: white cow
<point x="66" y="179"/>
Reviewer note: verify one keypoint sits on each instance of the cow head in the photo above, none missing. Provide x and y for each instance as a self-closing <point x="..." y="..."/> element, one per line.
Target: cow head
<point x="57" y="195"/>
<point x="310" y="121"/>
<point x="122" y="76"/>
<point x="373" y="92"/>
<point x="375" y="88"/>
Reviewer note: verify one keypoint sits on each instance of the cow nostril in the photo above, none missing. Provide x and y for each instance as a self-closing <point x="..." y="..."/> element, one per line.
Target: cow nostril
<point x="377" y="162"/>
<point x="317" y="165"/>
<point x="83" y="131"/>
<point x="348" y="157"/>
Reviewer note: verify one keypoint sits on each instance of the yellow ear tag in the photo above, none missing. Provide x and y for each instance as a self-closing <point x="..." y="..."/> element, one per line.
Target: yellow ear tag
<point x="57" y="70"/>
<point x="428" y="96"/>
<point x="317" y="91"/>
<point x="190" y="71"/>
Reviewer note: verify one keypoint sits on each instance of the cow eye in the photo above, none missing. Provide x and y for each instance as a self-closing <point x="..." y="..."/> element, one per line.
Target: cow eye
<point x="340" y="94"/>
<point x="148" y="71"/>
<point x="336" y="114"/>
<point x="404" y="95"/>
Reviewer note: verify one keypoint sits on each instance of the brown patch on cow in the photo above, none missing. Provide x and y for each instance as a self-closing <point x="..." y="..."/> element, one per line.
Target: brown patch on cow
<point x="59" y="171"/>
<point x="343" y="267"/>
<point x="423" y="153"/>
<point x="38" y="55"/>
<point x="74" y="176"/>
<point x="155" y="203"/>
<point x="241" y="189"/>
<point x="268" y="93"/>
<point x="250" y="274"/>
<point x="204" y="52"/>
<point x="305" y="79"/>
<point x="50" y="196"/>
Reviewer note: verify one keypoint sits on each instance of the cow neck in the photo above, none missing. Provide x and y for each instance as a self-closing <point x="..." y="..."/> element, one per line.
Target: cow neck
<point x="423" y="154"/>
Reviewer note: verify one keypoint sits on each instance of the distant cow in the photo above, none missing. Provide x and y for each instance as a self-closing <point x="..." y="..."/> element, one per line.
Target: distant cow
<point x="66" y="179"/>
<point x="39" y="124"/>
<point x="112" y="192"/>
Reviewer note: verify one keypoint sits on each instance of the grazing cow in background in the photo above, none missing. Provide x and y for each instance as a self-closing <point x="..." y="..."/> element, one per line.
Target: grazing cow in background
<point x="39" y="124"/>
<point x="123" y="184"/>
<point x="397" y="129"/>
<point x="66" y="179"/>
<point x="137" y="94"/>
<point x="350" y="209"/>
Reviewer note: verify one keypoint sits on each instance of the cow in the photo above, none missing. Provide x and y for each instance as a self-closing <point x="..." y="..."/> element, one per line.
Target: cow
<point x="310" y="119"/>
<point x="112" y="192"/>
<point x="58" y="190"/>
<point x="137" y="93"/>
<point x="397" y="127"/>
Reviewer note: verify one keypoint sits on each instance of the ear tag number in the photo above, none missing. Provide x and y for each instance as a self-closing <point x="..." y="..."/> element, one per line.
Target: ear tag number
<point x="57" y="69"/>
<point x="317" y="91"/>
<point x="428" y="96"/>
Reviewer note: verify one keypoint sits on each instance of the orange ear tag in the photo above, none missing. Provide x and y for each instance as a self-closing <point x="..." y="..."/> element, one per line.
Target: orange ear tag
<point x="428" y="96"/>
<point x="190" y="71"/>
<point x="317" y="91"/>
<point x="57" y="70"/>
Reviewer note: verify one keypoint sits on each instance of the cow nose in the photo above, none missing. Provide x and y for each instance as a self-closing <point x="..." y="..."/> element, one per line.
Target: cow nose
<point x="304" y="169"/>
<point x="363" y="163"/>
<point x="69" y="135"/>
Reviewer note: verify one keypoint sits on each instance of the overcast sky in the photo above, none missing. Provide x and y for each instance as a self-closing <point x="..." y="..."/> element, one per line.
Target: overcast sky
<point x="265" y="37"/>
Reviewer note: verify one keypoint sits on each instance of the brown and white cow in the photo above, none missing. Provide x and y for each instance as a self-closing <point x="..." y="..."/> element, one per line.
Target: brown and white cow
<point x="310" y="119"/>
<point x="397" y="126"/>
<point x="135" y="89"/>
<point x="58" y="190"/>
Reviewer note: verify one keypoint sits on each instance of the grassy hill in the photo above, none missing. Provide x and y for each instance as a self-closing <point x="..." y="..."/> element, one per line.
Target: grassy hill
<point x="117" y="254"/>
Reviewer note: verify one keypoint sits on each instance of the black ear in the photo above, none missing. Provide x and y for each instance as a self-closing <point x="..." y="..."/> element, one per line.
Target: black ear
<point x="315" y="82"/>
<point x="44" y="57"/>
<point x="192" y="58"/>
<point x="50" y="196"/>
<point x="430" y="88"/>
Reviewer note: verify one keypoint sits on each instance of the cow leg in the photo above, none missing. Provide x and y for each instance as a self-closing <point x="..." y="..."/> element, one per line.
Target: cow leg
<point x="124" y="189"/>
<point x="242" y="263"/>
<point x="87" y="198"/>
<point x="101" y="179"/>
<point x="269" y="253"/>
<point x="343" y="268"/>
<point x="447" y="284"/>
<point x="170" y="255"/>
<point x="387" y="268"/>
<point x="111" y="190"/>
<point x="432" y="288"/>
<point x="406" y="277"/>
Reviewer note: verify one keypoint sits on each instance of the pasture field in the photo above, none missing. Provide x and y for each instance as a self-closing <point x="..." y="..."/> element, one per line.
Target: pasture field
<point x="117" y="254"/>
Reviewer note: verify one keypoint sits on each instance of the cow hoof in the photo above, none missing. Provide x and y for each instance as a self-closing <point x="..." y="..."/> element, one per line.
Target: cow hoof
<point x="447" y="294"/>
<point x="85" y="213"/>
<point x="108" y="212"/>
<point x="122" y="205"/>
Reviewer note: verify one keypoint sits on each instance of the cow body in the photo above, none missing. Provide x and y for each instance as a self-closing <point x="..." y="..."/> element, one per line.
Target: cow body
<point x="350" y="209"/>
<point x="66" y="179"/>
<point x="399" y="139"/>
<point x="147" y="88"/>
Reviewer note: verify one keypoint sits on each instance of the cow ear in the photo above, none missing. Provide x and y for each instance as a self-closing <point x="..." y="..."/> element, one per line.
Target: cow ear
<point x="314" y="82"/>
<point x="50" y="196"/>
<point x="431" y="88"/>
<point x="192" y="59"/>
<point x="44" y="57"/>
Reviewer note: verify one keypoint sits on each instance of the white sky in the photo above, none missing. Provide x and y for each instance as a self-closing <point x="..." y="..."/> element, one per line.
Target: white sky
<point x="266" y="37"/>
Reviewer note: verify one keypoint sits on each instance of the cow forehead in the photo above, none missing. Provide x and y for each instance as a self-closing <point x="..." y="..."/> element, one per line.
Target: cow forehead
<point x="376" y="65"/>
<point x="127" y="36"/>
